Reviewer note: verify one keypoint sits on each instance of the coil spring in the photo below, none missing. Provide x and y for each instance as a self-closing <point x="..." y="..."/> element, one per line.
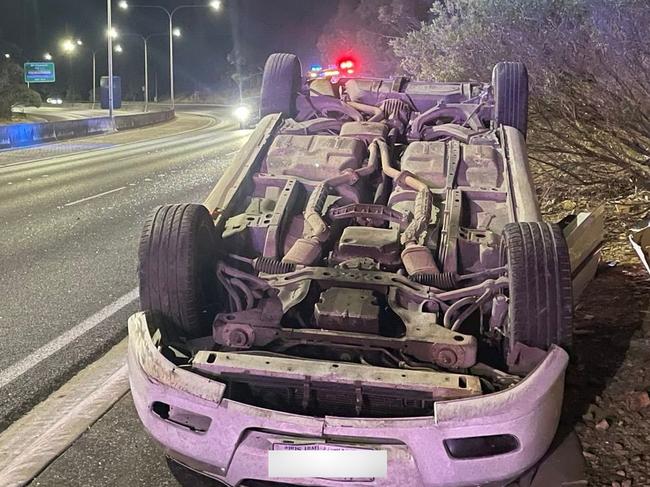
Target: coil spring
<point x="440" y="280"/>
<point x="268" y="265"/>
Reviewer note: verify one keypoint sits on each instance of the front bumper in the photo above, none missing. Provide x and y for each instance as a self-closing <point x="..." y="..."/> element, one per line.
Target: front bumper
<point x="230" y="440"/>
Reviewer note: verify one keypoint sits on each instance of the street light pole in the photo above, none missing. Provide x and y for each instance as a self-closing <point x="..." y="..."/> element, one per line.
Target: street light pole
<point x="145" y="41"/>
<point x="146" y="74"/>
<point x="171" y="57"/>
<point x="110" y="59"/>
<point x="94" y="78"/>
<point x="214" y="4"/>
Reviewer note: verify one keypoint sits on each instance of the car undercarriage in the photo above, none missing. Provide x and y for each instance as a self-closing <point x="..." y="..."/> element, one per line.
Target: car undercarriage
<point x="375" y="250"/>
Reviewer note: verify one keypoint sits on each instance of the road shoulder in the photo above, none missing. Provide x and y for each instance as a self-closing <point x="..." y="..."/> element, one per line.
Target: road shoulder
<point x="35" y="440"/>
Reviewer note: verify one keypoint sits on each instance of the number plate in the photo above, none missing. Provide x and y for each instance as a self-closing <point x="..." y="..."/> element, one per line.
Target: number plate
<point x="342" y="463"/>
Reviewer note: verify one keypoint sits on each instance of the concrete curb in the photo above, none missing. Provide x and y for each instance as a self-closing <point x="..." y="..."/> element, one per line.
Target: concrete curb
<point x="35" y="440"/>
<point x="26" y="134"/>
<point x="126" y="122"/>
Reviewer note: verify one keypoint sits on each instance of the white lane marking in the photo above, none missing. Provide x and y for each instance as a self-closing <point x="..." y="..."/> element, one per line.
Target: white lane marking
<point x="47" y="350"/>
<point x="95" y="196"/>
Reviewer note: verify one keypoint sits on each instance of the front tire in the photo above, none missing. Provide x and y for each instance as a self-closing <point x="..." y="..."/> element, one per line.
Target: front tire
<point x="539" y="271"/>
<point x="177" y="257"/>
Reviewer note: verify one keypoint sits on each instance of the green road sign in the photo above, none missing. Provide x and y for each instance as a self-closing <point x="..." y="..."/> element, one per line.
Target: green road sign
<point x="40" y="73"/>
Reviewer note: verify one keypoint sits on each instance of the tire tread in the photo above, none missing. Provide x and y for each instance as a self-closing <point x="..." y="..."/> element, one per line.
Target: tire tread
<point x="172" y="263"/>
<point x="539" y="270"/>
<point x="280" y="84"/>
<point x="510" y="84"/>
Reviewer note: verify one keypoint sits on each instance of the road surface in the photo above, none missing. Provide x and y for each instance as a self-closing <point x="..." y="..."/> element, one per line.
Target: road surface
<point x="116" y="451"/>
<point x="70" y="217"/>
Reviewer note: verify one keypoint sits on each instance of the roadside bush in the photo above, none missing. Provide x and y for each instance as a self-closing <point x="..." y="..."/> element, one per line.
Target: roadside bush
<point x="13" y="90"/>
<point x="589" y="66"/>
<point x="363" y="28"/>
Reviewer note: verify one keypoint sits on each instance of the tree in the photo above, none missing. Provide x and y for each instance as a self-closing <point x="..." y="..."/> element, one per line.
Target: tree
<point x="589" y="66"/>
<point x="363" y="28"/>
<point x="13" y="90"/>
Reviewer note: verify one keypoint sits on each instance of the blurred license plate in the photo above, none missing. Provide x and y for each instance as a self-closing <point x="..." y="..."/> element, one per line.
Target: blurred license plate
<point x="310" y="447"/>
<point x="327" y="461"/>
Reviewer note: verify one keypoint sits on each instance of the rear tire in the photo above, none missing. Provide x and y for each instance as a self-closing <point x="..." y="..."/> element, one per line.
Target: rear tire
<point x="510" y="84"/>
<point x="539" y="270"/>
<point x="177" y="257"/>
<point x="280" y="84"/>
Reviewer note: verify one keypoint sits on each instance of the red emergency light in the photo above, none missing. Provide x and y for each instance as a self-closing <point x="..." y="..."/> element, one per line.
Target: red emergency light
<point x="347" y="65"/>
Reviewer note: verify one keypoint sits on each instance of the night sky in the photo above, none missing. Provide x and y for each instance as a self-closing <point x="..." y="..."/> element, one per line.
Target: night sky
<point x="29" y="28"/>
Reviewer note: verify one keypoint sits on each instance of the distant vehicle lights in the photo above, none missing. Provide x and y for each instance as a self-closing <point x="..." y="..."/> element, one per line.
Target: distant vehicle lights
<point x="317" y="71"/>
<point x="344" y="67"/>
<point x="242" y="113"/>
<point x="329" y="73"/>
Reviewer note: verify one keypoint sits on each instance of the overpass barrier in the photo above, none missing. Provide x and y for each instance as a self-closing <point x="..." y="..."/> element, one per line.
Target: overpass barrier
<point x="126" y="122"/>
<point x="26" y="134"/>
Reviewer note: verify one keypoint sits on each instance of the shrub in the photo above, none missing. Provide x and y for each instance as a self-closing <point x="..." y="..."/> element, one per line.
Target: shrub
<point x="589" y="66"/>
<point x="12" y="89"/>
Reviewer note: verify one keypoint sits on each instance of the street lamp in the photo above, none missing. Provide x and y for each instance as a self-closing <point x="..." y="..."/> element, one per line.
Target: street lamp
<point x="118" y="49"/>
<point x="7" y="55"/>
<point x="68" y="46"/>
<point x="214" y="4"/>
<point x="47" y="56"/>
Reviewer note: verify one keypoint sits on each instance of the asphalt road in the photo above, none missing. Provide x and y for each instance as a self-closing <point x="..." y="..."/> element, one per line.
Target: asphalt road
<point x="70" y="218"/>
<point x="116" y="451"/>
